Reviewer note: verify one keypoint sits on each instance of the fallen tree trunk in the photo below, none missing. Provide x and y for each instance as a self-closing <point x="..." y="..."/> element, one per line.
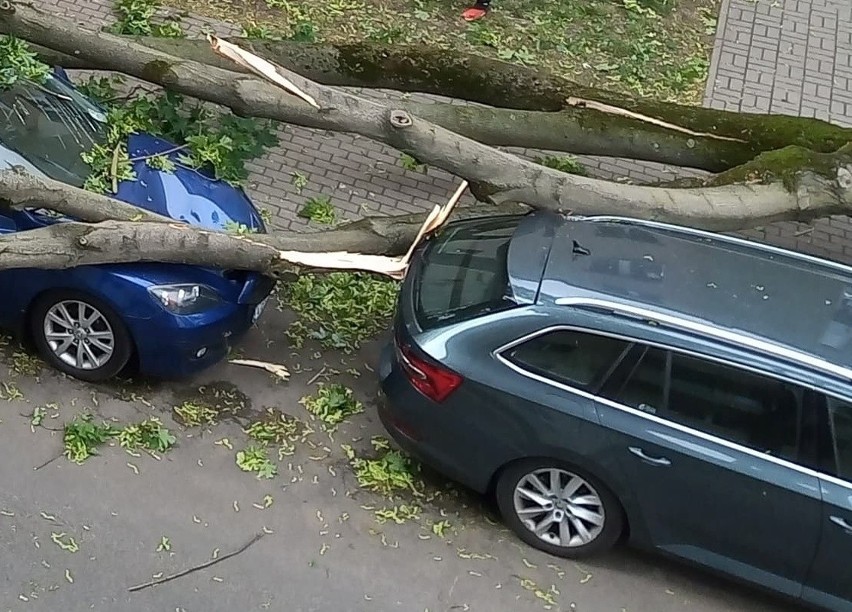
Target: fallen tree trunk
<point x="804" y="192"/>
<point x="704" y="138"/>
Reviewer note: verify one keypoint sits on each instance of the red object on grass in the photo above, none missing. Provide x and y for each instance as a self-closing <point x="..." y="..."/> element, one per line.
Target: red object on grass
<point x="474" y="13"/>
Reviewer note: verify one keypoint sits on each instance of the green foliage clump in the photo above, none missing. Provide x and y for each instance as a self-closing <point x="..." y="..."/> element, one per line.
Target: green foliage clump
<point x="319" y="210"/>
<point x="18" y="62"/>
<point x="388" y="473"/>
<point x="332" y="404"/>
<point x="83" y="437"/>
<point x="256" y="459"/>
<point x="219" y="144"/>
<point x="341" y="309"/>
<point x="564" y="163"/>
<point x="135" y="18"/>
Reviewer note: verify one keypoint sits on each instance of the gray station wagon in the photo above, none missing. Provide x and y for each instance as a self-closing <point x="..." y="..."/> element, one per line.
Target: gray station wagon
<point x="607" y="378"/>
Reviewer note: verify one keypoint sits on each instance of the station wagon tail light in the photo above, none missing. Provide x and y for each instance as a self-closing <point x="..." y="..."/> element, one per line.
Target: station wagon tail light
<point x="427" y="376"/>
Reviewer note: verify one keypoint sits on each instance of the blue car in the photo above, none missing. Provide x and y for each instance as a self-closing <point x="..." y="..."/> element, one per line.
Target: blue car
<point x="92" y="322"/>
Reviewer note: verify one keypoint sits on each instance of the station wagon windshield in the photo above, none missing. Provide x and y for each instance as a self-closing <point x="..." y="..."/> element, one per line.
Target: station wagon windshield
<point x="50" y="125"/>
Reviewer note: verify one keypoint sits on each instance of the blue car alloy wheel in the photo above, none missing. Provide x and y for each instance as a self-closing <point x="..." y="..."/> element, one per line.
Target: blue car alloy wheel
<point x="80" y="335"/>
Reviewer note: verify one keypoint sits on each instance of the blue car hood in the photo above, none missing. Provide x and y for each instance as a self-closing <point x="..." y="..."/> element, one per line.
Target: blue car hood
<point x="185" y="194"/>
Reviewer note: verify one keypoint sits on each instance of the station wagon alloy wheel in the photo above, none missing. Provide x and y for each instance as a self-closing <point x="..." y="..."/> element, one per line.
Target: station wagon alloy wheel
<point x="79" y="335"/>
<point x="559" y="507"/>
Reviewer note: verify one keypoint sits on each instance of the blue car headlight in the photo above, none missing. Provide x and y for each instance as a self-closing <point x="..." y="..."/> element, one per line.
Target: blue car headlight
<point x="185" y="299"/>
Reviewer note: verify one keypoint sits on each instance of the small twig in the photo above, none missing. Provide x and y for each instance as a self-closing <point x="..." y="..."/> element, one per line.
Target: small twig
<point x="195" y="568"/>
<point x="166" y="152"/>
<point x="49" y="461"/>
<point x="130" y="94"/>
<point x="116" y="152"/>
<point x="804" y="231"/>
<point x="316" y="376"/>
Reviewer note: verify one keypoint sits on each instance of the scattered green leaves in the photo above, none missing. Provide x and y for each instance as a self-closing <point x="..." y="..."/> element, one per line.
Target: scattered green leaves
<point x="260" y="32"/>
<point x="304" y="31"/>
<point x="256" y="459"/>
<point x="439" y="528"/>
<point x="109" y="165"/>
<point x="279" y="429"/>
<point x="209" y="403"/>
<point x="65" y="542"/>
<point x="332" y="404"/>
<point x="319" y="210"/>
<point x="26" y="364"/>
<point x="196" y="413"/>
<point x="83" y="436"/>
<point x="299" y="181"/>
<point x="10" y="391"/>
<point x="398" y="514"/>
<point x="340" y="309"/>
<point x="18" y="62"/>
<point x="708" y="18"/>
<point x="548" y="596"/>
<point x="276" y="429"/>
<point x="645" y="47"/>
<point x="165" y="545"/>
<point x="37" y="416"/>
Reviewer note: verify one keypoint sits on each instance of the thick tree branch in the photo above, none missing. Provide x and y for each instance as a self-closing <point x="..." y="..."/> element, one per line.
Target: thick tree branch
<point x="19" y="190"/>
<point x="735" y="139"/>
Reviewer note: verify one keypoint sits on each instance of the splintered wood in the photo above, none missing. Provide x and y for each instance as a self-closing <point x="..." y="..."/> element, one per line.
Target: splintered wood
<point x="395" y="267"/>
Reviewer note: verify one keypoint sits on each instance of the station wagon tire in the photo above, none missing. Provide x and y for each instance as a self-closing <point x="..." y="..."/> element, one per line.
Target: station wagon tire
<point x="80" y="335"/>
<point x="577" y="518"/>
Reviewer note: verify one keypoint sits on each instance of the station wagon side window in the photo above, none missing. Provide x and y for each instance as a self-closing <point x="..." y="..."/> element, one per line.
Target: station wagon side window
<point x="759" y="412"/>
<point x="575" y="358"/>
<point x="840" y="422"/>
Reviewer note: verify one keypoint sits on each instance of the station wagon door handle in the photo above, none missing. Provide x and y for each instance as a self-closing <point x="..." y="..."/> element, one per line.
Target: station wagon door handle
<point x="841" y="523"/>
<point x="653" y="460"/>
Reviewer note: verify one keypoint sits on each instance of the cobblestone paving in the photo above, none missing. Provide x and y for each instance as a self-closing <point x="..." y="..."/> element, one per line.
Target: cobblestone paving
<point x="790" y="57"/>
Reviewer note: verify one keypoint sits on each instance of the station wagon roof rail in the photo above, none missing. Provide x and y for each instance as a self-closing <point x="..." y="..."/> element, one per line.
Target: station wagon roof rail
<point x="711" y="331"/>
<point x="716" y="237"/>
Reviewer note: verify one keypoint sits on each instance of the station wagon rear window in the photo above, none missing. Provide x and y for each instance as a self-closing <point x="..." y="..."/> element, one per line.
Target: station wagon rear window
<point x="464" y="273"/>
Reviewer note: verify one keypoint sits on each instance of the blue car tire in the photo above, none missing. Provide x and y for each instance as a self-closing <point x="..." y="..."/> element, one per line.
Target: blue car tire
<point x="80" y="335"/>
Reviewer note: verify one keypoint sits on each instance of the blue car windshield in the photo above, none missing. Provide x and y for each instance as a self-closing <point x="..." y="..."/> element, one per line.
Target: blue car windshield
<point x="50" y="125"/>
